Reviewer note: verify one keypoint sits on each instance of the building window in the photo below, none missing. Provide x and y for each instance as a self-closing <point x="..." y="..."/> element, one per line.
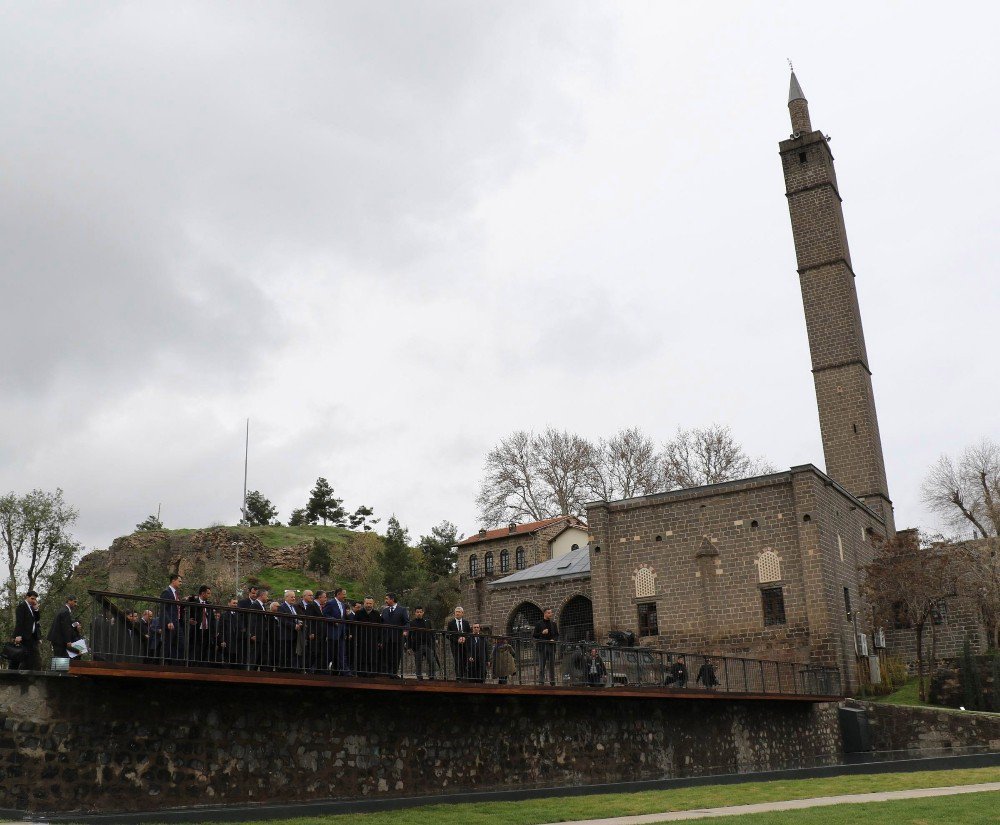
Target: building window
<point x="773" y="601"/>
<point x="768" y="567"/>
<point x="647" y="619"/>
<point x="575" y="547"/>
<point x="939" y="613"/>
<point x="489" y="564"/>
<point x="900" y="617"/>
<point x="473" y="565"/>
<point x="519" y="558"/>
<point x="645" y="583"/>
<point x="847" y="602"/>
<point x="505" y="561"/>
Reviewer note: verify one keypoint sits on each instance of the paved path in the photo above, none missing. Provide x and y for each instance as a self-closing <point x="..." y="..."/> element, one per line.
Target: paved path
<point x="790" y="805"/>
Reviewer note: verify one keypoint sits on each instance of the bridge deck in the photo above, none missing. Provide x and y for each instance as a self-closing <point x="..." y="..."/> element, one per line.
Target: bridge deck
<point x="123" y="670"/>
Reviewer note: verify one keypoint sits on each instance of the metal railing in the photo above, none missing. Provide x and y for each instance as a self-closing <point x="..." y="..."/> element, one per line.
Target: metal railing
<point x="142" y="630"/>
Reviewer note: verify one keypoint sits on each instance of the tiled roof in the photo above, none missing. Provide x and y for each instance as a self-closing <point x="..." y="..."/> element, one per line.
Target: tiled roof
<point x="570" y="565"/>
<point x="530" y="527"/>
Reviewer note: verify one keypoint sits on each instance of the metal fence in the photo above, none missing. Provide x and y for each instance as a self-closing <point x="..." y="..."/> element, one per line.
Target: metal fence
<point x="142" y="630"/>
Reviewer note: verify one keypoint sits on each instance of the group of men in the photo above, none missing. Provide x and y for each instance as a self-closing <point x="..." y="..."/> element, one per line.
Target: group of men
<point x="320" y="633"/>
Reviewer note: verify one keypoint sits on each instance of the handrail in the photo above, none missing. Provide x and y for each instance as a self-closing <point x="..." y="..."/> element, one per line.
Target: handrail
<point x="223" y="636"/>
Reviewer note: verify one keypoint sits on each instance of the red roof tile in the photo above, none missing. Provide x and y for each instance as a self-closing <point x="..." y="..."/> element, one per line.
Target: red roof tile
<point x="530" y="527"/>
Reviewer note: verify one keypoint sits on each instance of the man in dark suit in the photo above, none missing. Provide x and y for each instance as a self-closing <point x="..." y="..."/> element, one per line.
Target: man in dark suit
<point x="314" y="632"/>
<point x="241" y="654"/>
<point x="367" y="639"/>
<point x="204" y="629"/>
<point x="421" y="641"/>
<point x="28" y="631"/>
<point x="171" y="621"/>
<point x="336" y="632"/>
<point x="290" y="633"/>
<point x="65" y="629"/>
<point x="458" y="630"/>
<point x="396" y="623"/>
<point x="149" y="642"/>
<point x="230" y="635"/>
<point x="256" y="625"/>
<point x="546" y="634"/>
<point x="478" y="652"/>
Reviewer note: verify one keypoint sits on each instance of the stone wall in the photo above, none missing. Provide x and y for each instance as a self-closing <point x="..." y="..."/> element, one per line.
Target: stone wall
<point x="896" y="727"/>
<point x="72" y="744"/>
<point x="703" y="545"/>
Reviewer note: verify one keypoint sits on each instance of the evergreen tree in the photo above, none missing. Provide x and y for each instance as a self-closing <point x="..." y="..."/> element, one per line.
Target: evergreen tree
<point x="149" y="524"/>
<point x="319" y="558"/>
<point x="324" y="505"/>
<point x="438" y="549"/>
<point x="396" y="560"/>
<point x="362" y="517"/>
<point x="298" y="518"/>
<point x="259" y="511"/>
<point x="972" y="683"/>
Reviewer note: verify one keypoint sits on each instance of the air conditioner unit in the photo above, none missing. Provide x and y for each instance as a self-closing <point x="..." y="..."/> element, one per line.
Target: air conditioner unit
<point x="879" y="638"/>
<point x="861" y="644"/>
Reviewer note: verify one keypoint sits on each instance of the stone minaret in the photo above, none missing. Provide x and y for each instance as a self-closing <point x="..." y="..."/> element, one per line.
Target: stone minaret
<point x="847" y="419"/>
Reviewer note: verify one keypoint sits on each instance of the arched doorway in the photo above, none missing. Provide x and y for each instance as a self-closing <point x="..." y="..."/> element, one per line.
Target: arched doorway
<point x="523" y="620"/>
<point x="576" y="621"/>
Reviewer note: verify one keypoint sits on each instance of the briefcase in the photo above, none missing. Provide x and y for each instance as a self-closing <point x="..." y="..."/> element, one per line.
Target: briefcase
<point x="14" y="653"/>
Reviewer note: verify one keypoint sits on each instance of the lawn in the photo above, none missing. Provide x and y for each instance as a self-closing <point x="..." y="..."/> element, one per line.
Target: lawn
<point x="965" y="809"/>
<point x="563" y="809"/>
<point x="908" y="694"/>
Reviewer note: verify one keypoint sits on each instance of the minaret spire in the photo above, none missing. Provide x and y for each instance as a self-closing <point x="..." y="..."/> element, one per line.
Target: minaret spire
<point x="798" y="107"/>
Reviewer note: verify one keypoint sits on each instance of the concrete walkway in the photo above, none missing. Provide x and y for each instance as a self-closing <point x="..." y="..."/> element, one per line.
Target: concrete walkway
<point x="789" y="805"/>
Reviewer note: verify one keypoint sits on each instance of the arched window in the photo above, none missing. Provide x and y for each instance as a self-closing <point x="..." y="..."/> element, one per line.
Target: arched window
<point x="645" y="583"/>
<point x="768" y="567"/>
<point x="519" y="558"/>
<point x="488" y="561"/>
<point x="575" y="547"/>
<point x="523" y="620"/>
<point x="576" y="621"/>
<point x="505" y="561"/>
<point x="473" y="565"/>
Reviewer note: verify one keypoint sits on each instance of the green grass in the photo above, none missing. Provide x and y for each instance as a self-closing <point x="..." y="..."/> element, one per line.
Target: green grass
<point x="908" y="694"/>
<point x="565" y="809"/>
<point x="965" y="809"/>
<point x="281" y="536"/>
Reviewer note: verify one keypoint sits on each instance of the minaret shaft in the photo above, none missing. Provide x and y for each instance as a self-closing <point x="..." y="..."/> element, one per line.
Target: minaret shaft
<point x="848" y="422"/>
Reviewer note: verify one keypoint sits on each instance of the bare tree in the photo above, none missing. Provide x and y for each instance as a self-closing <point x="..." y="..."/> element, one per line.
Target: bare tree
<point x="906" y="583"/>
<point x="978" y="568"/>
<point x="564" y="462"/>
<point x="967" y="492"/>
<point x="512" y="489"/>
<point x="34" y="531"/>
<point x="627" y="465"/>
<point x="707" y="455"/>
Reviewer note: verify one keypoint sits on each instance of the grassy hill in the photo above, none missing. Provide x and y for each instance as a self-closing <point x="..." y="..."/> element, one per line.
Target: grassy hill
<point x="282" y="536"/>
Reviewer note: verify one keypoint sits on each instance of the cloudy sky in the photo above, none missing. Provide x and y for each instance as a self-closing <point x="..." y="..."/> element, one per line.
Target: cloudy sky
<point x="390" y="233"/>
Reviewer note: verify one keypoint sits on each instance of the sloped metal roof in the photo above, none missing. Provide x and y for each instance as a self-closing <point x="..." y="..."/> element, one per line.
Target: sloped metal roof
<point x="570" y="565"/>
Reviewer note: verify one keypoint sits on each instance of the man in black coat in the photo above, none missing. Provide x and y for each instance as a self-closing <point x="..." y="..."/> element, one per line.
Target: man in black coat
<point x="230" y="635"/>
<point x="248" y="602"/>
<point x="314" y="630"/>
<point x="149" y="641"/>
<point x="256" y="626"/>
<point x="396" y="623"/>
<point x="290" y="632"/>
<point x="65" y="629"/>
<point x="458" y="630"/>
<point x="203" y="628"/>
<point x="171" y="621"/>
<point x="421" y="641"/>
<point x="28" y="631"/>
<point x="478" y="653"/>
<point x="546" y="634"/>
<point x="367" y="639"/>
